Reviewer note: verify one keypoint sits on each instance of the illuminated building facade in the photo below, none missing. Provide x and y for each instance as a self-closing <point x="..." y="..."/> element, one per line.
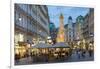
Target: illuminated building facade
<point x="31" y="25"/>
<point x="31" y="22"/>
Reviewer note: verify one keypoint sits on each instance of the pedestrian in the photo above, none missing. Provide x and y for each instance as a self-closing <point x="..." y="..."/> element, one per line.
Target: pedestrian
<point x="78" y="53"/>
<point x="90" y="52"/>
<point x="83" y="53"/>
<point x="17" y="57"/>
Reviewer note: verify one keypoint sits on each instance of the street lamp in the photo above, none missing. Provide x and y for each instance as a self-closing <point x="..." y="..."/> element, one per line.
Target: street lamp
<point x="20" y="19"/>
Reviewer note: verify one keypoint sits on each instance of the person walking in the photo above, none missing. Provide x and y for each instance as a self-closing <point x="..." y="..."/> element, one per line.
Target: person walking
<point x="90" y="52"/>
<point x="17" y="58"/>
<point x="79" y="53"/>
<point x="83" y="53"/>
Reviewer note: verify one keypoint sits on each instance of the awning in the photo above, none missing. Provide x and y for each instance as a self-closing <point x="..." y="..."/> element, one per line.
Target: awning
<point x="42" y="45"/>
<point x="61" y="45"/>
<point x="57" y="45"/>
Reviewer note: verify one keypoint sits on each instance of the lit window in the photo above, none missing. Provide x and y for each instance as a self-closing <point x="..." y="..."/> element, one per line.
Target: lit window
<point x="21" y="37"/>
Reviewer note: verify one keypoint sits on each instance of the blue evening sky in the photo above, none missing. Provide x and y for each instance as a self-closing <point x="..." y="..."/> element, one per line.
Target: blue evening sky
<point x="55" y="11"/>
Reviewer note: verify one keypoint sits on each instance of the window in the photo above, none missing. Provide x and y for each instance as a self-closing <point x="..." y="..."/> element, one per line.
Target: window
<point x="17" y="17"/>
<point x="25" y="7"/>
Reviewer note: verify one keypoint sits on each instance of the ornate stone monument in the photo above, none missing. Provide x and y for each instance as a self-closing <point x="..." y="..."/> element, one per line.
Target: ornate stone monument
<point x="61" y="31"/>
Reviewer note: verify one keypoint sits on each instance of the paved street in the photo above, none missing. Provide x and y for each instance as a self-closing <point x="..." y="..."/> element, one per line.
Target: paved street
<point x="73" y="58"/>
<point x="24" y="61"/>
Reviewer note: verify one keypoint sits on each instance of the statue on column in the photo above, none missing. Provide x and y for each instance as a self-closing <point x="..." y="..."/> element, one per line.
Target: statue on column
<point x="61" y="31"/>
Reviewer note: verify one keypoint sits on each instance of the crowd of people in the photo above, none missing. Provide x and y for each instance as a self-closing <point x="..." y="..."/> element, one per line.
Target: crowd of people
<point x="81" y="52"/>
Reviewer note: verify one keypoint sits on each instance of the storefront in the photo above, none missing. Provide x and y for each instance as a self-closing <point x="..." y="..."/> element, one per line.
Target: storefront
<point x="54" y="51"/>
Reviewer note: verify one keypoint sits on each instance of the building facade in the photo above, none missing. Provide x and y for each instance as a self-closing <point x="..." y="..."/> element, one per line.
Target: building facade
<point x="53" y="33"/>
<point x="88" y="26"/>
<point x="70" y="29"/>
<point x="31" y="23"/>
<point x="66" y="32"/>
<point x="74" y="34"/>
<point x="79" y="24"/>
<point x="91" y="25"/>
<point x="74" y="25"/>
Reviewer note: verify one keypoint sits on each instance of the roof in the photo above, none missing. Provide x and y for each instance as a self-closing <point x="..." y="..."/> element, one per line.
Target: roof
<point x="61" y="45"/>
<point x="57" y="45"/>
<point x="41" y="45"/>
<point x="70" y="17"/>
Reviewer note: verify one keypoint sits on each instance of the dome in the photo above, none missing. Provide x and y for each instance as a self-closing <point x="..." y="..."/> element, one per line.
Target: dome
<point x="80" y="18"/>
<point x="70" y="18"/>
